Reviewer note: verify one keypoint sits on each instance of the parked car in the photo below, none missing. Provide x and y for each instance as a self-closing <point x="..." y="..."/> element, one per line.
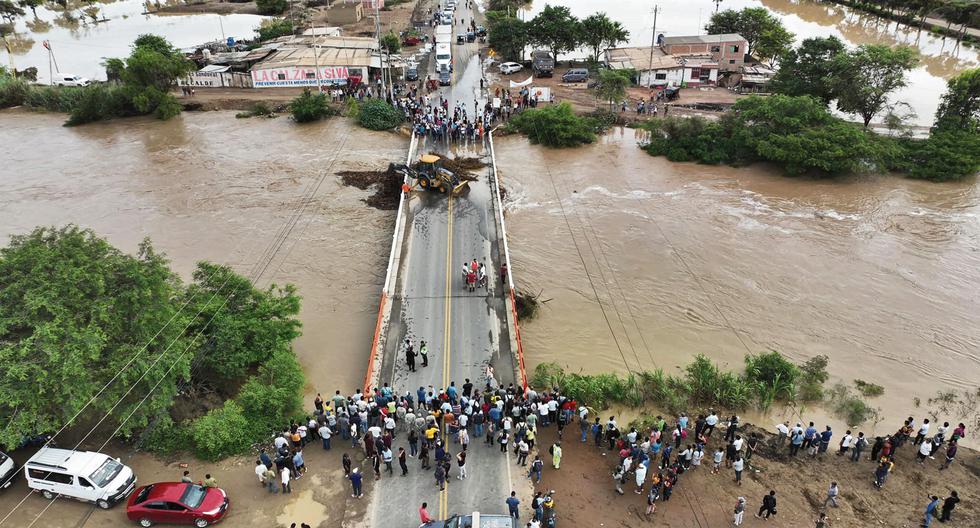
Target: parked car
<point x="575" y="75"/>
<point x="412" y="73"/>
<point x="411" y="40"/>
<point x="67" y="79"/>
<point x="460" y="39"/>
<point x="177" y="503"/>
<point x="470" y="36"/>
<point x="82" y="475"/>
<point x="8" y="471"/>
<point x="510" y="67"/>
<point x="542" y="63"/>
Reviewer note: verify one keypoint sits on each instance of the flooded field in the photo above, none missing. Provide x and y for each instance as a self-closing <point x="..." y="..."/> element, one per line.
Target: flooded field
<point x="880" y="274"/>
<point x="199" y="187"/>
<point x="81" y="46"/>
<point x="939" y="58"/>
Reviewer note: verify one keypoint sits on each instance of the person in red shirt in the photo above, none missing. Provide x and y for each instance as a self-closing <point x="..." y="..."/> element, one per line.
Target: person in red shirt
<point x="424" y="514"/>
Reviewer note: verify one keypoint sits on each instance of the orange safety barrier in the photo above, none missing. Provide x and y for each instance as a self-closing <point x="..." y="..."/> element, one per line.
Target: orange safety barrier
<point x="520" y="347"/>
<point x="374" y="344"/>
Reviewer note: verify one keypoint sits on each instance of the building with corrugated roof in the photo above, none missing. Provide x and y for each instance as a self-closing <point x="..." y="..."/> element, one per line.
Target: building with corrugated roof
<point x="728" y="49"/>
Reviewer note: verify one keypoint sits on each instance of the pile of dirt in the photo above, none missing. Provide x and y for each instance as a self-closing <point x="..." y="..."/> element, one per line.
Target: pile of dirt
<point x="463" y="166"/>
<point x="387" y="185"/>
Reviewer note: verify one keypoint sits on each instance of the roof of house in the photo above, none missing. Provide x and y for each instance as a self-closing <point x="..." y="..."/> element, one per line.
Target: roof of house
<point x="702" y="39"/>
<point x="639" y="59"/>
<point x="304" y="56"/>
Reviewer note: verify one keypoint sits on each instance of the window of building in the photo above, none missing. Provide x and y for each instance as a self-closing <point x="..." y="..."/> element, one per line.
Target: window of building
<point x="734" y="49"/>
<point x="715" y="49"/>
<point x="311" y="75"/>
<point x="660" y="76"/>
<point x="705" y="75"/>
<point x="695" y="73"/>
<point x="731" y="61"/>
<point x="281" y="76"/>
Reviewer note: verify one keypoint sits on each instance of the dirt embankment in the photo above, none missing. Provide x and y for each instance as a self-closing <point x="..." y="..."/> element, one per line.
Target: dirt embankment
<point x="387" y="184"/>
<point x="585" y="492"/>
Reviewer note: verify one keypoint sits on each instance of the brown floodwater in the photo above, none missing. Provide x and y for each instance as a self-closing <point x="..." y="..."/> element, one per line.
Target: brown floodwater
<point x="881" y="274"/>
<point x="211" y="187"/>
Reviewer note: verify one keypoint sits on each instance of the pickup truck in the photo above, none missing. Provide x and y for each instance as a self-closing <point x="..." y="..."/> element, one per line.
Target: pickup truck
<point x="542" y="63"/>
<point x="476" y="520"/>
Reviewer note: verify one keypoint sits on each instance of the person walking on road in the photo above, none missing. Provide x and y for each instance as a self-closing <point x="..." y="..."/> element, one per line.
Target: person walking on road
<point x="536" y="466"/>
<point x="424" y="516"/>
<point x="768" y="505"/>
<point x="403" y="460"/>
<point x="355" y="483"/>
<point x="347" y="464"/>
<point x="424" y="352"/>
<point x="556" y="455"/>
<point x="512" y="505"/>
<point x="461" y="463"/>
<point x="440" y="477"/>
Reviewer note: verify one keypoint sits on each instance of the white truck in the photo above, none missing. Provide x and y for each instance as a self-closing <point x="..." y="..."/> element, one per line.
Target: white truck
<point x="444" y="34"/>
<point x="444" y="56"/>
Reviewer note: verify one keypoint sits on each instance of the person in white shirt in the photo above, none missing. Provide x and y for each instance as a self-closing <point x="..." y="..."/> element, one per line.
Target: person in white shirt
<point x="280" y="442"/>
<point x="325" y="435"/>
<point x="738" y="465"/>
<point x="375" y="431"/>
<point x="925" y="450"/>
<point x="783" y="431"/>
<point x="738" y="442"/>
<point x="709" y="423"/>
<point x="845" y="443"/>
<point x="285" y="480"/>
<point x="923" y="432"/>
<point x="260" y="471"/>
<point x="696" y="457"/>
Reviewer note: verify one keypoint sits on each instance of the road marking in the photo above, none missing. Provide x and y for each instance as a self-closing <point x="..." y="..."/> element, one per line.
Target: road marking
<point x="447" y="342"/>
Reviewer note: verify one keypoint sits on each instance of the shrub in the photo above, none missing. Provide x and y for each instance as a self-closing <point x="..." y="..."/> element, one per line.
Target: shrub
<point x="774" y="376"/>
<point x="13" y="92"/>
<point x="275" y="28"/>
<point x="868" y="389"/>
<point x="309" y="107"/>
<point x="271" y="7"/>
<point x="854" y="411"/>
<point x="944" y="156"/>
<point x="274" y="394"/>
<point x="813" y="374"/>
<point x="377" y="114"/>
<point x="166" y="437"/>
<point x="547" y="375"/>
<point x="97" y="102"/>
<point x="554" y="126"/>
<point x="222" y="433"/>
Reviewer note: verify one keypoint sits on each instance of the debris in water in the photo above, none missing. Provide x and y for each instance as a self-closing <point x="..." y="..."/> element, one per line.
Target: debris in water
<point x="387" y="186"/>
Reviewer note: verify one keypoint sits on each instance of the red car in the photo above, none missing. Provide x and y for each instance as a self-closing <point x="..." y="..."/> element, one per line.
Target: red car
<point x="177" y="503"/>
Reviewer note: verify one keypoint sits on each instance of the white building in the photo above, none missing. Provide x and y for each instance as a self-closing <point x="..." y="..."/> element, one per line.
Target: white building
<point x="664" y="70"/>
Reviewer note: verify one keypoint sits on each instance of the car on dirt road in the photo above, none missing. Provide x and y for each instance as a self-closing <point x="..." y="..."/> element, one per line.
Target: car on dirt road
<point x="177" y="503"/>
<point x="86" y="476"/>
<point x="476" y="520"/>
<point x="510" y="67"/>
<point x="575" y="75"/>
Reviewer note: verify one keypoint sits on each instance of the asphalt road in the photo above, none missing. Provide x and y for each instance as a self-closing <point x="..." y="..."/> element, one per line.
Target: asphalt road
<point x="462" y="329"/>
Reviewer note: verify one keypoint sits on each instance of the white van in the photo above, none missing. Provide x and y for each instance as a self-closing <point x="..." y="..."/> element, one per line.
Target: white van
<point x="81" y="475"/>
<point x="8" y="470"/>
<point x="444" y="56"/>
<point x="67" y="79"/>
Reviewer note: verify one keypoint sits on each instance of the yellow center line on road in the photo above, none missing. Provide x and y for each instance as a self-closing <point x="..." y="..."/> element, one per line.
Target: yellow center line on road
<point x="447" y="343"/>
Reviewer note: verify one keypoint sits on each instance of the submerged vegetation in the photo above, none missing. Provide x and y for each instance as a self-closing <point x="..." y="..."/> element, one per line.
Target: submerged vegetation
<point x="769" y="377"/>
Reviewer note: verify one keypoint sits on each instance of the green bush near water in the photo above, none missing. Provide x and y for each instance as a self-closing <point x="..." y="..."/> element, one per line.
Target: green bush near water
<point x="377" y="114"/>
<point x="310" y="107"/>
<point x="554" y="126"/>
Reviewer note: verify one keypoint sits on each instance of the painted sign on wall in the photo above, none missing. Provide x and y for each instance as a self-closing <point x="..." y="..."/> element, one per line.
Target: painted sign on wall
<point x="299" y="76"/>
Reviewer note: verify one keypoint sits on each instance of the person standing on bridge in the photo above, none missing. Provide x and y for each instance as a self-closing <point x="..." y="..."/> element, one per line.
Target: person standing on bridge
<point x="410" y="355"/>
<point x="403" y="460"/>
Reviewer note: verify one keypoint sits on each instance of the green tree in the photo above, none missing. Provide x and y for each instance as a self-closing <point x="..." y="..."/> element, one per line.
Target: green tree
<point x="309" y="107"/>
<point x="599" y="33"/>
<point x="274" y="28"/>
<point x="378" y="114"/>
<point x="556" y="29"/>
<point x="611" y="86"/>
<point x="31" y="4"/>
<point x="864" y="78"/>
<point x="271" y="7"/>
<point x="76" y="312"/>
<point x="959" y="108"/>
<point x="773" y="44"/>
<point x="945" y="155"/>
<point x="553" y="126"/>
<point x="808" y="70"/>
<point x="247" y="329"/>
<point x="9" y="11"/>
<point x="390" y="42"/>
<point x="756" y="25"/>
<point x="508" y="37"/>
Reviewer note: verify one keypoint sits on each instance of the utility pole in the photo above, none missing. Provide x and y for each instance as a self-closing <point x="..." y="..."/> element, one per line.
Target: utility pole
<point x="377" y="22"/>
<point x="653" y="44"/>
<point x="316" y="60"/>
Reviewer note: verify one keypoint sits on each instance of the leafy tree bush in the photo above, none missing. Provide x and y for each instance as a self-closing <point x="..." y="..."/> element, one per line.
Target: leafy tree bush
<point x="556" y="29"/>
<point x="868" y="389"/>
<point x="600" y="33"/>
<point x="864" y="78"/>
<point x="247" y="329"/>
<point x="97" y="102"/>
<point x="377" y="114"/>
<point x="808" y="70"/>
<point x="853" y="410"/>
<point x="775" y="377"/>
<point x="274" y="28"/>
<point x="390" y="42"/>
<point x="309" y="107"/>
<point x="222" y="432"/>
<point x="944" y="156"/>
<point x="507" y="35"/>
<point x="554" y="126"/>
<point x="959" y="108"/>
<point x="612" y="86"/>
<point x="13" y="92"/>
<point x="73" y="311"/>
<point x="813" y="375"/>
<point x="271" y="7"/>
<point x="274" y="394"/>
